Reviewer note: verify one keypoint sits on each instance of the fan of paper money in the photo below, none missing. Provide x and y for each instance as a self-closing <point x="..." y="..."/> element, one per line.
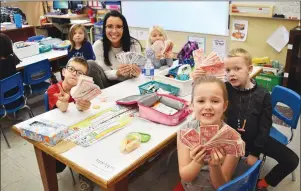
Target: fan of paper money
<point x="85" y="89"/>
<point x="162" y="47"/>
<point x="212" y="64"/>
<point x="131" y="58"/>
<point x="211" y="137"/>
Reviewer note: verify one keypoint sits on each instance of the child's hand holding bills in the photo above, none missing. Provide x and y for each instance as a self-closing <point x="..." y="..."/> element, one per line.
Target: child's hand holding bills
<point x="197" y="154"/>
<point x="83" y="105"/>
<point x="217" y="156"/>
<point x="85" y="89"/>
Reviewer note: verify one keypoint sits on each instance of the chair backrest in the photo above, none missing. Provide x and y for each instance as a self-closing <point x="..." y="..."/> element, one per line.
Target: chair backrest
<point x="46" y="103"/>
<point x="246" y="182"/>
<point x="8" y="84"/>
<point x="37" y="72"/>
<point x="290" y="98"/>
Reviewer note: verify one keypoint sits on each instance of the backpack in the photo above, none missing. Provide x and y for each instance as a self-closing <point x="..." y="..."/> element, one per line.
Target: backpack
<point x="185" y="55"/>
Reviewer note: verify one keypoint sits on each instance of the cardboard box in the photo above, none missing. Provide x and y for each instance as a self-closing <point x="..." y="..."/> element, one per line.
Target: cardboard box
<point x="27" y="51"/>
<point x="45" y="131"/>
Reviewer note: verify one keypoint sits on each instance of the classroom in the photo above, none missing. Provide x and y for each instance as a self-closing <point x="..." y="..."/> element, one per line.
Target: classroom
<point x="150" y="95"/>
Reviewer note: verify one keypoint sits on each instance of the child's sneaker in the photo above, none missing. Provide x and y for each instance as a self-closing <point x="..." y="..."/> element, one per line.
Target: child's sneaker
<point x="85" y="184"/>
<point x="262" y="189"/>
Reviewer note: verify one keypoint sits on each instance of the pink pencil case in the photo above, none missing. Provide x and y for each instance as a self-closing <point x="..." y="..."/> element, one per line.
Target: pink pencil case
<point x="147" y="101"/>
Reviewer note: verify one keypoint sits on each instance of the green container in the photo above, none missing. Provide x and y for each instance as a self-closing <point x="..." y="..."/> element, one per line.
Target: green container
<point x="268" y="81"/>
<point x="146" y="88"/>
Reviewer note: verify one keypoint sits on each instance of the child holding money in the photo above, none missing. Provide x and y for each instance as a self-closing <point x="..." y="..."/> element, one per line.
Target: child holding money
<point x="209" y="102"/>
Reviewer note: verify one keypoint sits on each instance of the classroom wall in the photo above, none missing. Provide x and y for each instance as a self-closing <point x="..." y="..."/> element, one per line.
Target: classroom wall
<point x="259" y="30"/>
<point x="32" y="10"/>
<point x="180" y="38"/>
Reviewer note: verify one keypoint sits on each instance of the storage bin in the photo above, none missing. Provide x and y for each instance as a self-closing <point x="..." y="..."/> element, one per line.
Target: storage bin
<point x="184" y="86"/>
<point x="268" y="81"/>
<point x="146" y="88"/>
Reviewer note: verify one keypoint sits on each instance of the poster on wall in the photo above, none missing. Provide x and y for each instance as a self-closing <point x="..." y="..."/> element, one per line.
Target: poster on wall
<point x="219" y="46"/>
<point x="239" y="30"/>
<point x="279" y="38"/>
<point x="200" y="40"/>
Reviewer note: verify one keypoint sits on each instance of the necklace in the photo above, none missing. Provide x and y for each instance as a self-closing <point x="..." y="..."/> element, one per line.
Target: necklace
<point x="239" y="128"/>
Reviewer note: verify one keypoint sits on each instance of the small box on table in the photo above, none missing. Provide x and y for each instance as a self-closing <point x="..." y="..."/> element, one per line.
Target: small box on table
<point x="45" y="131"/>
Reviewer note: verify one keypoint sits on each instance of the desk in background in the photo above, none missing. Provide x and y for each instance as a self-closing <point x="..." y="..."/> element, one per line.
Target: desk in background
<point x="62" y="22"/>
<point x="51" y="56"/>
<point x="20" y="34"/>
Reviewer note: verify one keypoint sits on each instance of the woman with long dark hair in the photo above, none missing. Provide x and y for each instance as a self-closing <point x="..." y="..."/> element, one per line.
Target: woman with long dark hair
<point x="116" y="38"/>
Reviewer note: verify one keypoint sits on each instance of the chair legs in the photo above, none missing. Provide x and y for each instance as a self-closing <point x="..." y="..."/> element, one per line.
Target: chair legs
<point x="5" y="138"/>
<point x="29" y="111"/>
<point x="71" y="172"/>
<point x="293" y="176"/>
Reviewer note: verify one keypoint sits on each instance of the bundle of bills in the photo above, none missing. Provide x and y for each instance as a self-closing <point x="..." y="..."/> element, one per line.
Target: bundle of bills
<point x="162" y="47"/>
<point x="85" y="89"/>
<point x="211" y="137"/>
<point x="212" y="64"/>
<point x="131" y="58"/>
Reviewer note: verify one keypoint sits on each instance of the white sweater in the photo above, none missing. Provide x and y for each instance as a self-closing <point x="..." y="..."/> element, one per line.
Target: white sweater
<point x="110" y="71"/>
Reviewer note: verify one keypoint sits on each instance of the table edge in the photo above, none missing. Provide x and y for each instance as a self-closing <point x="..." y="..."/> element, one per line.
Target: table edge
<point x="98" y="180"/>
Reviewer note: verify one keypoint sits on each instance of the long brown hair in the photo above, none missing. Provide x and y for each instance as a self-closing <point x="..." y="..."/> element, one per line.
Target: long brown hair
<point x="72" y="31"/>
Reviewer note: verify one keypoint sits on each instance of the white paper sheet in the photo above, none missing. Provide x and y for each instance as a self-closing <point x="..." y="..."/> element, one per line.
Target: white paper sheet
<point x="279" y="38"/>
<point x="219" y="46"/>
<point x="200" y="40"/>
<point x="134" y="33"/>
<point x="239" y="30"/>
<point x="142" y="35"/>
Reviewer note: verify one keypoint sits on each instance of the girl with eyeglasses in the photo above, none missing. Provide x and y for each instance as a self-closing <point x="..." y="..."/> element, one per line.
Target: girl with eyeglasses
<point x="116" y="38"/>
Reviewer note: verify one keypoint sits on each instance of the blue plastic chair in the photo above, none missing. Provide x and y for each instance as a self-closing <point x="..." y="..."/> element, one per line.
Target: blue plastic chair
<point x="292" y="99"/>
<point x="246" y="182"/>
<point x="6" y="85"/>
<point x="35" y="76"/>
<point x="46" y="101"/>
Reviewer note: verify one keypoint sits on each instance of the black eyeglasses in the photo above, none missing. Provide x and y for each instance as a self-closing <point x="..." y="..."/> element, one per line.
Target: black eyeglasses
<point x="117" y="27"/>
<point x="72" y="70"/>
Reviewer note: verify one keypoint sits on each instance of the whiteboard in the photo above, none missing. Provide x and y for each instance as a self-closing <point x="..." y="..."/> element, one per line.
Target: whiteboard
<point x="206" y="17"/>
<point x="289" y="8"/>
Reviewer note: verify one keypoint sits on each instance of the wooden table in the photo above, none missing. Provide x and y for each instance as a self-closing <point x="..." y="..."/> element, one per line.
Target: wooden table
<point x="67" y="16"/>
<point x="20" y="34"/>
<point x="102" y="162"/>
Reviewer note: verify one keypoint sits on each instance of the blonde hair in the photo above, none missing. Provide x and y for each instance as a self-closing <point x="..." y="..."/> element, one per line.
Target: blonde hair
<point x="72" y="31"/>
<point x="158" y="28"/>
<point x="239" y="52"/>
<point x="209" y="79"/>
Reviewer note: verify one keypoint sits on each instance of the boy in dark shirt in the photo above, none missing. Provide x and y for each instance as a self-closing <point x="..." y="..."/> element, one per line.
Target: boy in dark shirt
<point x="250" y="113"/>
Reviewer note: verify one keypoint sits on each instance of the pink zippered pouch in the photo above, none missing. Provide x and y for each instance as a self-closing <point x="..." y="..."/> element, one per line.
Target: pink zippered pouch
<point x="146" y="110"/>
